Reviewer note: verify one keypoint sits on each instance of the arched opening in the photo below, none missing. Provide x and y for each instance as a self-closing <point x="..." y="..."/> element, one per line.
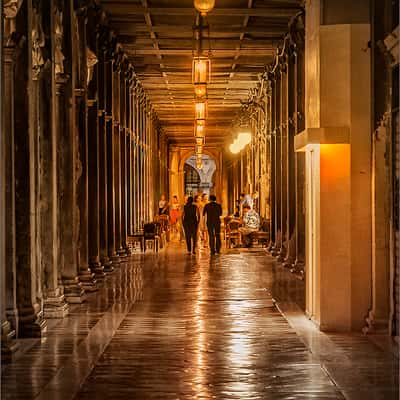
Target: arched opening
<point x="199" y="180"/>
<point x="192" y="180"/>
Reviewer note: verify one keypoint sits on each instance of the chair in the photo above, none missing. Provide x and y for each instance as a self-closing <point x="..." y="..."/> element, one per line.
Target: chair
<point x="232" y="233"/>
<point x="150" y="233"/>
<point x="164" y="221"/>
<point x="261" y="236"/>
<point x="225" y="224"/>
<point x="136" y="237"/>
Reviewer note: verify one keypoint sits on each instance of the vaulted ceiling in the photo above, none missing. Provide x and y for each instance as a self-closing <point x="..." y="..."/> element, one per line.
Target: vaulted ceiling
<point x="158" y="37"/>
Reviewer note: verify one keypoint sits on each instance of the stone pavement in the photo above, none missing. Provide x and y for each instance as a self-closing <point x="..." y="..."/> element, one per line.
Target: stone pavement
<point x="173" y="326"/>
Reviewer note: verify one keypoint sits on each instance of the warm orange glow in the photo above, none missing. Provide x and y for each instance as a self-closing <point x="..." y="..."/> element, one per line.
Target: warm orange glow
<point x="201" y="70"/>
<point x="200" y="140"/>
<point x="235" y="147"/>
<point x="199" y="130"/>
<point x="199" y="150"/>
<point x="244" y="138"/>
<point x="200" y="90"/>
<point x="200" y="111"/>
<point x="204" y="6"/>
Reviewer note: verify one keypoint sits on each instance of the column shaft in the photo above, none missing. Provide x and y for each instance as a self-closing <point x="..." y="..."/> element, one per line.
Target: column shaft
<point x="93" y="191"/>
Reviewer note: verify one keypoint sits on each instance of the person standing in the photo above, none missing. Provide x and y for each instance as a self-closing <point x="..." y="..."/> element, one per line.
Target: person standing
<point x="213" y="211"/>
<point x="190" y="224"/>
<point x="175" y="216"/>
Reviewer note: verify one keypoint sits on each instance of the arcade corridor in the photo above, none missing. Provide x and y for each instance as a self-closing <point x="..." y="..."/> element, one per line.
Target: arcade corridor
<point x="172" y="326"/>
<point x="123" y="123"/>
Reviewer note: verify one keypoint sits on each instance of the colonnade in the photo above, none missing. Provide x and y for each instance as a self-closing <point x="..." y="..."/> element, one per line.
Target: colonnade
<point x="269" y="169"/>
<point x="83" y="159"/>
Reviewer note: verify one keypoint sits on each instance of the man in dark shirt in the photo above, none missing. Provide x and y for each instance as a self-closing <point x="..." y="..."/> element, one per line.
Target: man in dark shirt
<point x="213" y="211"/>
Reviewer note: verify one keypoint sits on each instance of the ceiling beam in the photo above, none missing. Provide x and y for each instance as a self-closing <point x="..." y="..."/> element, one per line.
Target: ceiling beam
<point x="129" y="8"/>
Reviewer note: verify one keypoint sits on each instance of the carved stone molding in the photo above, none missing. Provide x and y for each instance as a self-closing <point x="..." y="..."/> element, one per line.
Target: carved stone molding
<point x="58" y="42"/>
<point x="38" y="43"/>
<point x="91" y="61"/>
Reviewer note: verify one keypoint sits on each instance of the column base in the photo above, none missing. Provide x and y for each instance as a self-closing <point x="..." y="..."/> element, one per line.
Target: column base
<point x="298" y="269"/>
<point x="55" y="305"/>
<point x="30" y="324"/>
<point x="87" y="280"/>
<point x="107" y="264"/>
<point x="73" y="291"/>
<point x="97" y="269"/>
<point x="128" y="251"/>
<point x="122" y="252"/>
<point x="281" y="254"/>
<point x="115" y="259"/>
<point x="8" y="343"/>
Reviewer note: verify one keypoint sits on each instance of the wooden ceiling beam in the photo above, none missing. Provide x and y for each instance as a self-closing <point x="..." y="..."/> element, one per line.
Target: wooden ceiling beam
<point x="120" y="8"/>
<point x="127" y="28"/>
<point x="261" y="51"/>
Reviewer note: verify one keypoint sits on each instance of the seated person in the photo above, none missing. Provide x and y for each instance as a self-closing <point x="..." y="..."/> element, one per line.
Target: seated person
<point x="250" y="224"/>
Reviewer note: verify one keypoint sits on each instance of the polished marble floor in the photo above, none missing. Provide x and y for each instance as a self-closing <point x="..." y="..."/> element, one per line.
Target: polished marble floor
<point x="173" y="326"/>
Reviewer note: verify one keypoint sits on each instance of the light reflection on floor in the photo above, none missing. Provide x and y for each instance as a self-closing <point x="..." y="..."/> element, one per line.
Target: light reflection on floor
<point x="172" y="326"/>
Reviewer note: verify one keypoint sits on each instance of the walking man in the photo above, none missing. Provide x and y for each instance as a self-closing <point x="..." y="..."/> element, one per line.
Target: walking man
<point x="190" y="223"/>
<point x="213" y="211"/>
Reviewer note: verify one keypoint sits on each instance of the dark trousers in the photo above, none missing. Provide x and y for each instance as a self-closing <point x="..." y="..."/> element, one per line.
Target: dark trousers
<point x="214" y="237"/>
<point x="191" y="236"/>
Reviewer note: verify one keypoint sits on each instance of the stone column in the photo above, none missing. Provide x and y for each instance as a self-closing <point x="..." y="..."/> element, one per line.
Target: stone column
<point x="283" y="158"/>
<point x="30" y="322"/>
<point x="46" y="123"/>
<point x="111" y="191"/>
<point x="9" y="314"/>
<point x="123" y="138"/>
<point x="298" y="265"/>
<point x="278" y="165"/>
<point x="54" y="305"/>
<point x="86" y="276"/>
<point x="123" y="131"/>
<point x="108" y="100"/>
<point x="117" y="187"/>
<point x="67" y="218"/>
<point x="93" y="191"/>
<point x="103" y="189"/>
<point x="338" y="163"/>
<point x="290" y="163"/>
<point x="129" y="184"/>
<point x="101" y="75"/>
<point x="272" y="141"/>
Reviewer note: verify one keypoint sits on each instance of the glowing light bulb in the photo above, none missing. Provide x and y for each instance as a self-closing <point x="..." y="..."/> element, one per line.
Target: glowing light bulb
<point x="204" y="6"/>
